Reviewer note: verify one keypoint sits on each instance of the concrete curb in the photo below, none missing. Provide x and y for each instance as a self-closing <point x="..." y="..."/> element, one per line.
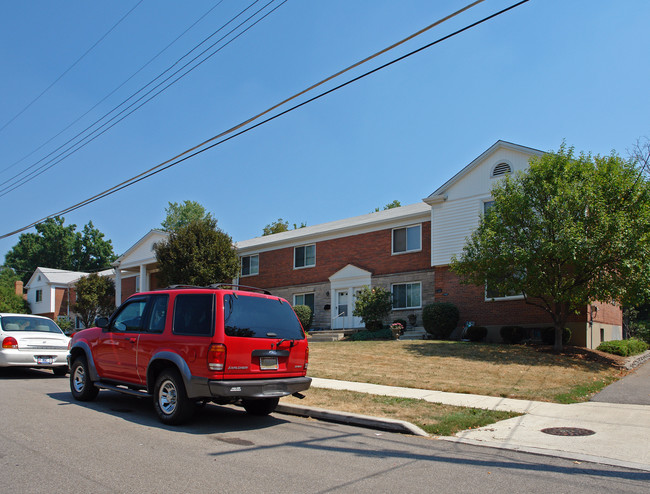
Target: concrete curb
<point x="567" y="455"/>
<point x="383" y="424"/>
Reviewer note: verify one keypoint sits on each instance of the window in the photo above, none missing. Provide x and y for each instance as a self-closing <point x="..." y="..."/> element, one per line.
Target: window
<point x="407" y="295"/>
<point x="493" y="293"/>
<point x="130" y="317"/>
<point x="487" y="205"/>
<point x="304" y="256"/>
<point x="157" y="313"/>
<point x="304" y="299"/>
<point x="39" y="295"/>
<point x="250" y="265"/>
<point x="194" y="314"/>
<point x="258" y="317"/>
<point x="408" y="239"/>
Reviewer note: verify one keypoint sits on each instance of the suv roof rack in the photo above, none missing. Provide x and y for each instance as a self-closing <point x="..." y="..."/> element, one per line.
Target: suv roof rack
<point x="246" y="288"/>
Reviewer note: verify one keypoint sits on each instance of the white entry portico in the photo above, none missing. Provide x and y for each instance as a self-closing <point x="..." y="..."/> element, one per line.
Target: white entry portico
<point x="344" y="286"/>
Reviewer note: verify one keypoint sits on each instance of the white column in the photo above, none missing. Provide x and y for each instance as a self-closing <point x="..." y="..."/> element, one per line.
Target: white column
<point x="118" y="286"/>
<point x="144" y="282"/>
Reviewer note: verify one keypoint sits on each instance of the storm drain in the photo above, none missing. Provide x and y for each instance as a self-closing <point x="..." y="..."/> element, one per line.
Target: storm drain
<point x="568" y="431"/>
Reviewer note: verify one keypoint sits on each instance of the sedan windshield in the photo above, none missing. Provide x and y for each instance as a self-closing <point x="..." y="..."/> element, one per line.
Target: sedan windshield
<point x="24" y="323"/>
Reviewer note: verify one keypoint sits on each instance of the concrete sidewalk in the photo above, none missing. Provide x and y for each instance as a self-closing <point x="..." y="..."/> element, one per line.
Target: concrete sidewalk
<point x="621" y="433"/>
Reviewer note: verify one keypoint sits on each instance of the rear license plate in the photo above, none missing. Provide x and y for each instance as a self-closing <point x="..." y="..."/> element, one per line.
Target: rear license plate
<point x="268" y="363"/>
<point x="44" y="360"/>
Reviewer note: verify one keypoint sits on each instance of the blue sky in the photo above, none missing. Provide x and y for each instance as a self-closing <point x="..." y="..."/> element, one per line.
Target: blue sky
<point x="546" y="71"/>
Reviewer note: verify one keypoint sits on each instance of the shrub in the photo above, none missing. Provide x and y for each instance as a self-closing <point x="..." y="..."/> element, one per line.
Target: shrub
<point x="380" y="334"/>
<point x="476" y="333"/>
<point x="373" y="306"/>
<point x="440" y="319"/>
<point x="623" y="347"/>
<point x="512" y="334"/>
<point x="305" y="315"/>
<point x="548" y="336"/>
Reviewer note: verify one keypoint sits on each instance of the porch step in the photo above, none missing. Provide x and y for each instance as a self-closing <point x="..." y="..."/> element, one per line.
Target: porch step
<point x="414" y="334"/>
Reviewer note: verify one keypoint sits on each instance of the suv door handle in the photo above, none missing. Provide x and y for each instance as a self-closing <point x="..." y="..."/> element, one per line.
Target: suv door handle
<point x="133" y="339"/>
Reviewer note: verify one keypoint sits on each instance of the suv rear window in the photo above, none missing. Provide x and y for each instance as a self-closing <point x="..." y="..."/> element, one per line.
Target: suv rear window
<point x="194" y="314"/>
<point x="257" y="317"/>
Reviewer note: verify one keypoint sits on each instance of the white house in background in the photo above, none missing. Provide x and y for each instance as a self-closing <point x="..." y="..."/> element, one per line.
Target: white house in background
<point x="51" y="293"/>
<point x="135" y="270"/>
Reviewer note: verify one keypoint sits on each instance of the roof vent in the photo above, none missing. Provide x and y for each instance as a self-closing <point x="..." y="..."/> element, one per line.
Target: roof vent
<point x="501" y="169"/>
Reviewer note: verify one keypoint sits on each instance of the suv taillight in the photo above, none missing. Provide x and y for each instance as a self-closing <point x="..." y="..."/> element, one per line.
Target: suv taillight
<point x="217" y="357"/>
<point x="306" y="357"/>
<point x="10" y="342"/>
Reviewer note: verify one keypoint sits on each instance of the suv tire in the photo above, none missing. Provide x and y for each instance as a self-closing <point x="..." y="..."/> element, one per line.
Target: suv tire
<point x="170" y="398"/>
<point x="81" y="386"/>
<point x="262" y="406"/>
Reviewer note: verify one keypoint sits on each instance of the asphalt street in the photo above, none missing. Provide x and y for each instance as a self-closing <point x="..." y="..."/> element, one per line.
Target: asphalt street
<point x="50" y="443"/>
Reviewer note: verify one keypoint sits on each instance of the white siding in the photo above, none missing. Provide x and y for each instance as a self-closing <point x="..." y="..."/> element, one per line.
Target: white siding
<point x="453" y="220"/>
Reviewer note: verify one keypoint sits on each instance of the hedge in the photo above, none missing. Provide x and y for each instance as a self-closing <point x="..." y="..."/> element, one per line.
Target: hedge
<point x="623" y="347"/>
<point x="440" y="319"/>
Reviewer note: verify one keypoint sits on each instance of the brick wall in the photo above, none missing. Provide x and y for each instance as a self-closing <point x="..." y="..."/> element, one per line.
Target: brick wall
<point x="369" y="251"/>
<point x="128" y="287"/>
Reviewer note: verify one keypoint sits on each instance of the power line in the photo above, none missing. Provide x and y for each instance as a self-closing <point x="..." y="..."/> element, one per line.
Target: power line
<point x="70" y="68"/>
<point x="114" y="90"/>
<point x="196" y="151"/>
<point x="80" y="143"/>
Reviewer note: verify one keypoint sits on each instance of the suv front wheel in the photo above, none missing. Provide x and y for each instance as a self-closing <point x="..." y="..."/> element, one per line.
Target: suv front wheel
<point x="170" y="399"/>
<point x="81" y="386"/>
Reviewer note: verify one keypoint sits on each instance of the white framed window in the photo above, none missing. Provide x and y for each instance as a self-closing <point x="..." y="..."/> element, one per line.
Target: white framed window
<point x="304" y="299"/>
<point x="407" y="239"/>
<point x="39" y="295"/>
<point x="487" y="204"/>
<point x="492" y="294"/>
<point x="304" y="256"/>
<point x="407" y="295"/>
<point x="250" y="265"/>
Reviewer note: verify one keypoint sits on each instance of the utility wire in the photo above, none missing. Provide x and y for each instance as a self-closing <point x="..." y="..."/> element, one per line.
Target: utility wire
<point x="70" y="68"/>
<point x="194" y="151"/>
<point x="113" y="91"/>
<point x="30" y="176"/>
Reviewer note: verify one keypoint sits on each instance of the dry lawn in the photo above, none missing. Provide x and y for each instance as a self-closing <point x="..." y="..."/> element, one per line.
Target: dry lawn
<point x="442" y="420"/>
<point x="512" y="371"/>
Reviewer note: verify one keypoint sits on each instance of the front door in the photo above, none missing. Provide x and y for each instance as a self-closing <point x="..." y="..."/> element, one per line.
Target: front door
<point x="344" y="302"/>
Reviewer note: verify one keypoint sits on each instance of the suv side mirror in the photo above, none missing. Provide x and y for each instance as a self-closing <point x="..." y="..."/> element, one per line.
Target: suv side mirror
<point x="101" y="322"/>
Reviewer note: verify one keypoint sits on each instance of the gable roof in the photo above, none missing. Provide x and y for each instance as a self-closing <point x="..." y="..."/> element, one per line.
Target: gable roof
<point x="149" y="237"/>
<point x="56" y="276"/>
<point x="439" y="194"/>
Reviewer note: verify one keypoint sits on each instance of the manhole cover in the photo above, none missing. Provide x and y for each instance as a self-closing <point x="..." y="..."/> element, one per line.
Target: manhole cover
<point x="567" y="431"/>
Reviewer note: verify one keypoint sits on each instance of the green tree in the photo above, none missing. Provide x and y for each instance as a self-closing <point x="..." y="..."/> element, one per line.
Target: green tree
<point x="373" y="306"/>
<point x="390" y="205"/>
<point x="91" y="252"/>
<point x="198" y="254"/>
<point x="179" y="215"/>
<point x="9" y="300"/>
<point x="55" y="245"/>
<point x="570" y="231"/>
<point x="280" y="226"/>
<point x="95" y="296"/>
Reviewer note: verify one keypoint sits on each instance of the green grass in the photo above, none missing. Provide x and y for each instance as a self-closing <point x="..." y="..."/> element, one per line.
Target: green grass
<point x="582" y="392"/>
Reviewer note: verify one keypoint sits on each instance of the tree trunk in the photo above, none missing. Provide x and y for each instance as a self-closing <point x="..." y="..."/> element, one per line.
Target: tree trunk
<point x="557" y="345"/>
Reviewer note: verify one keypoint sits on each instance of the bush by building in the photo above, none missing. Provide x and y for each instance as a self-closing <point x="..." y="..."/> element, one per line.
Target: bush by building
<point x="440" y="319"/>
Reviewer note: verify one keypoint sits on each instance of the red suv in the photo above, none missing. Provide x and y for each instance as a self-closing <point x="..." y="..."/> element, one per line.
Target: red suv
<point x="190" y="345"/>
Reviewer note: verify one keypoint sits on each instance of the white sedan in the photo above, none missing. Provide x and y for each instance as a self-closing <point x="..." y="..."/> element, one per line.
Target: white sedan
<point x="32" y="341"/>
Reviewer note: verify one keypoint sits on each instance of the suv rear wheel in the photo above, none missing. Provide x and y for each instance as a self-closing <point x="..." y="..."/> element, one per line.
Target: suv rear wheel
<point x="81" y="386"/>
<point x="262" y="406"/>
<point x="170" y="399"/>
